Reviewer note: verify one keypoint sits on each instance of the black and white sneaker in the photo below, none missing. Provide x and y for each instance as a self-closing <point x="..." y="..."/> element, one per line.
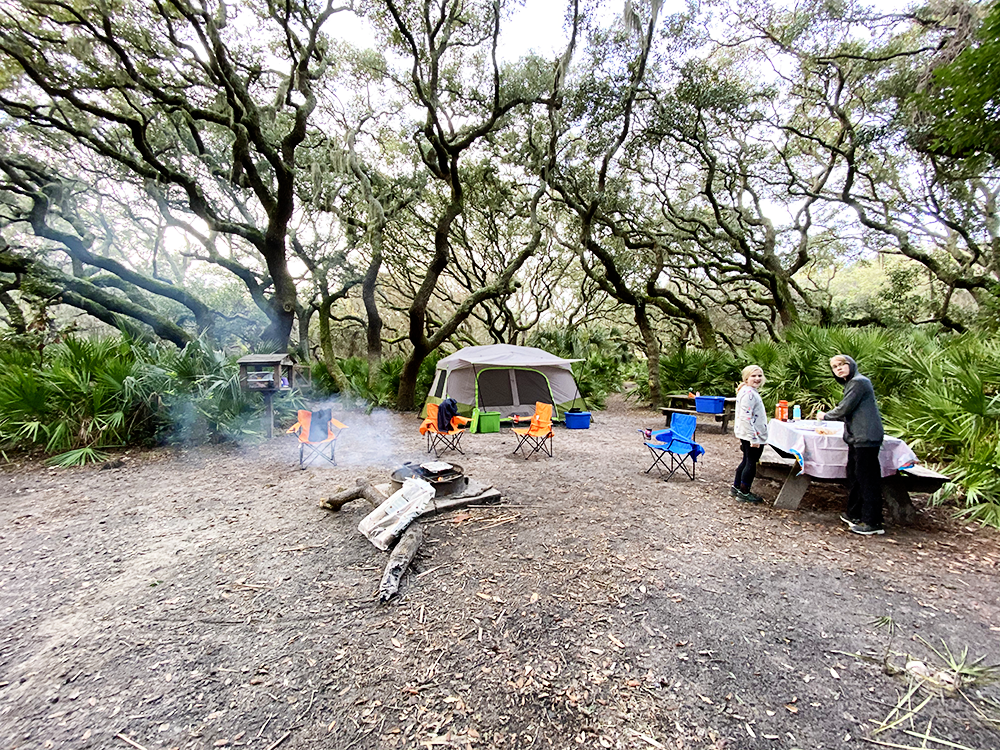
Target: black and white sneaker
<point x="867" y="529"/>
<point x="748" y="497"/>
<point x="850" y="521"/>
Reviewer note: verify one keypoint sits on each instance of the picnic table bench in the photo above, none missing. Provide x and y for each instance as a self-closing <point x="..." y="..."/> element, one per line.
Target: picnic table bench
<point x="681" y="403"/>
<point x="784" y="467"/>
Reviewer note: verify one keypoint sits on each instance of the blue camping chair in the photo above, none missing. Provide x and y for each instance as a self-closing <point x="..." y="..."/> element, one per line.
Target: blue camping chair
<point x="677" y="446"/>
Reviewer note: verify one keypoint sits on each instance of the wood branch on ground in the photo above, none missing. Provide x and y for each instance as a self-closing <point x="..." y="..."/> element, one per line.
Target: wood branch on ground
<point x="363" y="489"/>
<point x="399" y="560"/>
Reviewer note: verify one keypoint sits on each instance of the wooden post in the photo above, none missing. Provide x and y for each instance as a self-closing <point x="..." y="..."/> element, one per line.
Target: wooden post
<point x="792" y="490"/>
<point x="269" y="419"/>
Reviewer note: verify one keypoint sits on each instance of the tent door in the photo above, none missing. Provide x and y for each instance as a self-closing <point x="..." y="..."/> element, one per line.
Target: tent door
<point x="531" y="386"/>
<point x="511" y="390"/>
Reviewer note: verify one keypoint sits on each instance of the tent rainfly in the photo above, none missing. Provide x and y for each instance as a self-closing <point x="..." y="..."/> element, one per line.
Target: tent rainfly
<point x="507" y="379"/>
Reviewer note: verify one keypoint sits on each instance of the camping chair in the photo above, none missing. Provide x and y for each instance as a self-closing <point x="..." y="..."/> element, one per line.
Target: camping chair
<point x="538" y="435"/>
<point x="317" y="431"/>
<point x="439" y="441"/>
<point x="676" y="445"/>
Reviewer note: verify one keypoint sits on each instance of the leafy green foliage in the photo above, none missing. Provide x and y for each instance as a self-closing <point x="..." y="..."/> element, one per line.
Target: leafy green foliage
<point x="196" y="396"/>
<point x="694" y="370"/>
<point x="93" y="394"/>
<point x="963" y="101"/>
<point x="379" y="393"/>
<point x="83" y="397"/>
<point x="607" y="358"/>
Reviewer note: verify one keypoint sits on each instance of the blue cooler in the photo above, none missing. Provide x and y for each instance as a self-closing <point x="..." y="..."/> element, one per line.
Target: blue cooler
<point x="577" y="420"/>
<point x="709" y="404"/>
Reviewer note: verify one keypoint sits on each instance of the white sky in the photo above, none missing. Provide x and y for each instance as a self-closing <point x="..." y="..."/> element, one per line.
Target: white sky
<point x="538" y="25"/>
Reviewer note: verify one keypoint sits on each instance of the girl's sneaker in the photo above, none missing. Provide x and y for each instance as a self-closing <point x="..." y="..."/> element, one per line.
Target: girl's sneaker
<point x="748" y="497"/>
<point x="734" y="491"/>
<point x="850" y="521"/>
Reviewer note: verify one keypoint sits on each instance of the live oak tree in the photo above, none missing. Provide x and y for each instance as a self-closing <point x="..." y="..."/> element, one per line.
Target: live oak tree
<point x="855" y="129"/>
<point x="644" y="239"/>
<point x="955" y="110"/>
<point x="455" y="80"/>
<point x="204" y="106"/>
<point x="44" y="215"/>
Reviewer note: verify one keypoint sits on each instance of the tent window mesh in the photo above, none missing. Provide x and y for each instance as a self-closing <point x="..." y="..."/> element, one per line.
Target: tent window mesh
<point x="494" y="388"/>
<point x="439" y="386"/>
<point x="531" y="387"/>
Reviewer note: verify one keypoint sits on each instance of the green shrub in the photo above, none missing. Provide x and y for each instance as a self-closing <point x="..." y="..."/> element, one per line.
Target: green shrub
<point x="711" y="373"/>
<point x="382" y="393"/>
<point x="196" y="396"/>
<point x="91" y="394"/>
<point x="83" y="397"/>
<point x="606" y="356"/>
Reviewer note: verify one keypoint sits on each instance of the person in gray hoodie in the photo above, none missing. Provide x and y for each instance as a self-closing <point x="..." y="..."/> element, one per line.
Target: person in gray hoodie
<point x="863" y="434"/>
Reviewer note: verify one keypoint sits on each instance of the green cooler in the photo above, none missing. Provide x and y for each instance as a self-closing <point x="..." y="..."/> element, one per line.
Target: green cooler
<point x="485" y="421"/>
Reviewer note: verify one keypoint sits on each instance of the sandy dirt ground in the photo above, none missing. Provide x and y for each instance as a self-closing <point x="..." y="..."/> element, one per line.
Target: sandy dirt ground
<point x="199" y="598"/>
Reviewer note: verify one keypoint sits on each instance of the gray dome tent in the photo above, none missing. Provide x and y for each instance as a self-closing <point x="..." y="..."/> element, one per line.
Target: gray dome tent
<point x="507" y="379"/>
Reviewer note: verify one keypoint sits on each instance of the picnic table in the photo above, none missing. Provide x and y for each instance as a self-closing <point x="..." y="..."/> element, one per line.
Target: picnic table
<point x="682" y="403"/>
<point x="797" y="455"/>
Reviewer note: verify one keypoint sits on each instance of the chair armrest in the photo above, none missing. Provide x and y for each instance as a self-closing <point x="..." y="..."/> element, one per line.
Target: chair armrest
<point x="682" y="441"/>
<point x="338" y="425"/>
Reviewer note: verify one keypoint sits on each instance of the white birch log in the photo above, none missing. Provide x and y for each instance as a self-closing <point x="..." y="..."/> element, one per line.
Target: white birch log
<point x="399" y="560"/>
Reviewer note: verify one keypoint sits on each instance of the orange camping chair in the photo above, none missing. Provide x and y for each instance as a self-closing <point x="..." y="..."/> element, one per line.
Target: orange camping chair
<point x="317" y="431"/>
<point x="438" y="441"/>
<point x="538" y="435"/>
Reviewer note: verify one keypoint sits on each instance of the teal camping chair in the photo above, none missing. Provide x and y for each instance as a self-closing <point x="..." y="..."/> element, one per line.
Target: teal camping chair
<point x="676" y="446"/>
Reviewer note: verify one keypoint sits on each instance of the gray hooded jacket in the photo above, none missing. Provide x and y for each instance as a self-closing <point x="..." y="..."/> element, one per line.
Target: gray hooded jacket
<point x="858" y="410"/>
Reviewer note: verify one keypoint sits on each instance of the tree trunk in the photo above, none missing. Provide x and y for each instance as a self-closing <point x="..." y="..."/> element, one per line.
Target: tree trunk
<point x="329" y="358"/>
<point x="281" y="314"/>
<point x="406" y="395"/>
<point x="652" y="346"/>
<point x="373" y="330"/>
<point x="706" y="331"/>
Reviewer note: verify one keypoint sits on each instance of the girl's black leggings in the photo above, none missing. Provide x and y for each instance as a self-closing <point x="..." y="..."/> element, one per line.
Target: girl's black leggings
<point x="746" y="472"/>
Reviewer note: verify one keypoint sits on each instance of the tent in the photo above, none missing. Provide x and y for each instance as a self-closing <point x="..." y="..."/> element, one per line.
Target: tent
<point x="507" y="379"/>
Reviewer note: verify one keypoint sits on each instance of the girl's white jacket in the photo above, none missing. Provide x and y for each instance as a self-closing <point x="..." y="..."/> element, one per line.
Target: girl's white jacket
<point x="751" y="419"/>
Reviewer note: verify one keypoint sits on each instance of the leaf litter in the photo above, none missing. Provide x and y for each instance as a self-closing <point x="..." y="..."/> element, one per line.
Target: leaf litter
<point x="595" y="606"/>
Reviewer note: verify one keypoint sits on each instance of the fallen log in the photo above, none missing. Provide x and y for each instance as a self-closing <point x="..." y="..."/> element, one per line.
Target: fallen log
<point x="399" y="560"/>
<point x="362" y="489"/>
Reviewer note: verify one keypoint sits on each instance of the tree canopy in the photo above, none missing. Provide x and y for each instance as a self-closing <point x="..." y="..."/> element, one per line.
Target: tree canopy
<point x="242" y="171"/>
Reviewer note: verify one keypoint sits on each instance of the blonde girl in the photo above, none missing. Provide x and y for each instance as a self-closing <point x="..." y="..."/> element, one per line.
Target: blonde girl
<point x="751" y="429"/>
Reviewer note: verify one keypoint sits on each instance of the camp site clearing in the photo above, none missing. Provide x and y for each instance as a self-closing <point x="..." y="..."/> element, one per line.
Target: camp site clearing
<point x="203" y="597"/>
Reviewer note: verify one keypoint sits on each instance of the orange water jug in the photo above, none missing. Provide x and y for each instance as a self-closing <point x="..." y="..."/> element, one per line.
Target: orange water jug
<point x="783" y="411"/>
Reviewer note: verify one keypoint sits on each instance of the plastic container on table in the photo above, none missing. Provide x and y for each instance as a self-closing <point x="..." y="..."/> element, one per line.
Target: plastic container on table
<point x="709" y="404"/>
<point x="796" y="412"/>
<point x="782" y="411"/>
<point x="577" y="420"/>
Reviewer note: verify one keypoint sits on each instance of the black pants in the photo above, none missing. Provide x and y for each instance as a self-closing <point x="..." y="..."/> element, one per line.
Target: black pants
<point x="864" y="485"/>
<point x="746" y="472"/>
